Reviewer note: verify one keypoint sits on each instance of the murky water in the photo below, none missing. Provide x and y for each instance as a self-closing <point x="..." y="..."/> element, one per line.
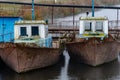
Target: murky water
<point x="66" y="70"/>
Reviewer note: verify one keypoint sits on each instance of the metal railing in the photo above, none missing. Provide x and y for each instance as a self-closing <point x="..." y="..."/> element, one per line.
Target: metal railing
<point x="64" y="25"/>
<point x="114" y="24"/>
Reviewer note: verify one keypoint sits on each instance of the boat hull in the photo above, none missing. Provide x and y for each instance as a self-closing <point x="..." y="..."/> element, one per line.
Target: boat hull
<point x="22" y="57"/>
<point x="93" y="52"/>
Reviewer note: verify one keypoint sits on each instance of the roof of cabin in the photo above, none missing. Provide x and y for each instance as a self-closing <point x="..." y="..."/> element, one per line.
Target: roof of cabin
<point x="93" y="18"/>
<point x="22" y="22"/>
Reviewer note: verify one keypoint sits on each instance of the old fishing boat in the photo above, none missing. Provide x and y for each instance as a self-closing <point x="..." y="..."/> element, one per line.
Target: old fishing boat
<point x="93" y="45"/>
<point x="32" y="48"/>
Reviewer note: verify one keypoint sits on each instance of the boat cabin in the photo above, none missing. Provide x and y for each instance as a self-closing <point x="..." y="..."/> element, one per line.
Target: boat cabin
<point x="93" y="27"/>
<point x="32" y="31"/>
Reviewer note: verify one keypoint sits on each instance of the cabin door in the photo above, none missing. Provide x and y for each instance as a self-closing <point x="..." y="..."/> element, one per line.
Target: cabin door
<point x="23" y="31"/>
<point x="35" y="30"/>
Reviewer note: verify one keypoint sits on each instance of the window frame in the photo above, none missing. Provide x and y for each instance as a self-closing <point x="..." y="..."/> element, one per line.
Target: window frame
<point x="101" y="26"/>
<point x="89" y="24"/>
<point x="35" y="33"/>
<point x="21" y="31"/>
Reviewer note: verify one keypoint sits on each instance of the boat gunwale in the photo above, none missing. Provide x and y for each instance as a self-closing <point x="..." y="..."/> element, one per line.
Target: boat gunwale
<point x="15" y="45"/>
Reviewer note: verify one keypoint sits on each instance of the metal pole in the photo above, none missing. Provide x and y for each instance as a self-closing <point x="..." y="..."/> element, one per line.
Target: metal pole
<point x="117" y="23"/>
<point x="33" y="11"/>
<point x="54" y="2"/>
<point x="52" y="14"/>
<point x="117" y="17"/>
<point x="73" y="17"/>
<point x="73" y="20"/>
<point x="92" y="8"/>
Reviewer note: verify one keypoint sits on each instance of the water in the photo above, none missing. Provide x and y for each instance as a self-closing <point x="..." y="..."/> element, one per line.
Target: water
<point x="66" y="70"/>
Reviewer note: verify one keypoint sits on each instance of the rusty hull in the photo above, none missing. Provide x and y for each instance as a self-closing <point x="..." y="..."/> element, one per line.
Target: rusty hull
<point x="22" y="57"/>
<point x="93" y="51"/>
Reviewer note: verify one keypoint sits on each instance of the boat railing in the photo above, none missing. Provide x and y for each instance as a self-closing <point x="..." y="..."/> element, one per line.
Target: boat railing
<point x="7" y="37"/>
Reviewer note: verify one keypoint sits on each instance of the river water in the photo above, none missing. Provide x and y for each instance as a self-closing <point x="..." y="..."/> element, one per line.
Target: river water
<point x="66" y="69"/>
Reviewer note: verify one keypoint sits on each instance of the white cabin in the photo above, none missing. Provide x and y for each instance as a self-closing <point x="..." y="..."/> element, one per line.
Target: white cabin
<point x="93" y="27"/>
<point x="32" y="31"/>
<point x="30" y="28"/>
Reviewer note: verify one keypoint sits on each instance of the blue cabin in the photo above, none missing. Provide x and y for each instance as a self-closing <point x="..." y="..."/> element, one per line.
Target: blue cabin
<point x="7" y="28"/>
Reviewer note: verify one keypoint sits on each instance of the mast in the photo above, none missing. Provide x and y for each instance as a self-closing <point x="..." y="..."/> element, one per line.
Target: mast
<point x="92" y="8"/>
<point x="33" y="11"/>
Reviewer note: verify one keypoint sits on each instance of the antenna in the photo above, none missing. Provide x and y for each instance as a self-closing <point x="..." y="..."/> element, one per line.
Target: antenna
<point x="33" y="11"/>
<point x="92" y="8"/>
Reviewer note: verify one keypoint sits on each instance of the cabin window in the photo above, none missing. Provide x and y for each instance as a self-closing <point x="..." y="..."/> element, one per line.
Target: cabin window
<point x="88" y="26"/>
<point x="35" y="30"/>
<point x="99" y="26"/>
<point x="23" y="31"/>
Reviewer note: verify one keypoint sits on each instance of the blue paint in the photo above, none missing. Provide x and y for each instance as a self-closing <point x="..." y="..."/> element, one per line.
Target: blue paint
<point x="33" y="11"/>
<point x="7" y="26"/>
<point x="92" y="8"/>
<point x="47" y="42"/>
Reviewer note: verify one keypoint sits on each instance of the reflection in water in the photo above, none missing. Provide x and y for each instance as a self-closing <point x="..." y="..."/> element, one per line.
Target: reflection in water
<point x="48" y="73"/>
<point x="66" y="70"/>
<point x="109" y="71"/>
<point x="0" y="77"/>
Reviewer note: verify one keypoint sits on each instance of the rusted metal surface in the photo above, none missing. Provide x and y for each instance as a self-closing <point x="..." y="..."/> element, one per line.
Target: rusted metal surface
<point x="94" y="51"/>
<point x="22" y="57"/>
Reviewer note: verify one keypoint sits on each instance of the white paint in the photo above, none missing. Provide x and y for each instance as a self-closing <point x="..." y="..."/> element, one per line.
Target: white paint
<point x="81" y="27"/>
<point x="93" y="21"/>
<point x="29" y="30"/>
<point x="42" y="28"/>
<point x="42" y="31"/>
<point x="105" y="27"/>
<point x="93" y="26"/>
<point x="16" y="32"/>
<point x="55" y="1"/>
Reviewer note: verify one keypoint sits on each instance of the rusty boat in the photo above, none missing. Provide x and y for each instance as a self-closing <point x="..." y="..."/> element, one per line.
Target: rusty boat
<point x="32" y="48"/>
<point x="93" y="45"/>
